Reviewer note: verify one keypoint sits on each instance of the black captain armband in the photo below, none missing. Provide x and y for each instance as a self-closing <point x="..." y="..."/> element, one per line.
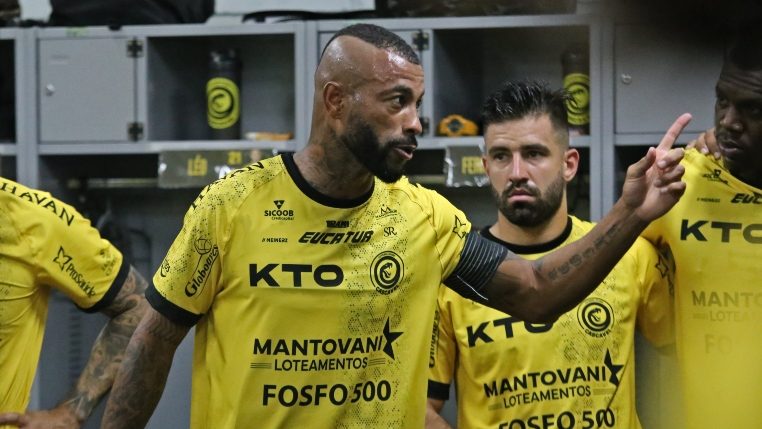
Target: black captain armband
<point x="478" y="264"/>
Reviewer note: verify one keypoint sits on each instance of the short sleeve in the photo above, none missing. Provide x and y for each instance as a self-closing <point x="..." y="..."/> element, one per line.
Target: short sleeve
<point x="656" y="310"/>
<point x="444" y="350"/>
<point x="69" y="253"/>
<point x="188" y="279"/>
<point x="451" y="227"/>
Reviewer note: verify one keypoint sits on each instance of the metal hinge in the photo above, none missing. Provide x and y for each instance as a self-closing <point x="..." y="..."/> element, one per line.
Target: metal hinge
<point x="421" y="40"/>
<point x="135" y="130"/>
<point x="134" y="48"/>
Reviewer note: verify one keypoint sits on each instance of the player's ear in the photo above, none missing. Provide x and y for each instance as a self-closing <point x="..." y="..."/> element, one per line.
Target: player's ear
<point x="333" y="99"/>
<point x="571" y="163"/>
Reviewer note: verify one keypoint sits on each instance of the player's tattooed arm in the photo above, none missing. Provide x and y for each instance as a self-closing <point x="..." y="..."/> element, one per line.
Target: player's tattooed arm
<point x="125" y="312"/>
<point x="141" y="379"/>
<point x="107" y="353"/>
<point x="545" y="288"/>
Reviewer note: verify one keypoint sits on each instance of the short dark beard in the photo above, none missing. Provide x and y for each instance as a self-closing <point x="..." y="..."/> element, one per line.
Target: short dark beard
<point x="527" y="214"/>
<point x="366" y="147"/>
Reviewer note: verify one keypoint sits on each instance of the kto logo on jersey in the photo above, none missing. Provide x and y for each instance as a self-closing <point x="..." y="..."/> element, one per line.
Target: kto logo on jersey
<point x="291" y="275"/>
<point x="207" y="254"/>
<point x="280" y="213"/>
<point x="596" y="317"/>
<point x="386" y="272"/>
<point x="714" y="230"/>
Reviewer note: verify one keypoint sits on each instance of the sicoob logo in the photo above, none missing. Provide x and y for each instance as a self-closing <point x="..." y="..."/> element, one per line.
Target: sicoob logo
<point x="386" y="272"/>
<point x="596" y="317"/>
<point x="280" y="213"/>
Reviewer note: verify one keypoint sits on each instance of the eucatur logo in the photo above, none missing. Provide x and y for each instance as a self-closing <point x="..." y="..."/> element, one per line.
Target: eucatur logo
<point x="280" y="213"/>
<point x="386" y="272"/>
<point x="596" y="317"/>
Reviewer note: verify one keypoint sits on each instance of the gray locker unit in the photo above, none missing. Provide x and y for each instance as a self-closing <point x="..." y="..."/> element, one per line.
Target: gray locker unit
<point x="653" y="66"/>
<point x="87" y="89"/>
<point x="177" y="68"/>
<point x="146" y="87"/>
<point x="653" y="73"/>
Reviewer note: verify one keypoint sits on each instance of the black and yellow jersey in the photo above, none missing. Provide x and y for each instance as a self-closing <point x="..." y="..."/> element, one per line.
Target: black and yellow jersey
<point x="311" y="311"/>
<point x="714" y="234"/>
<point x="577" y="372"/>
<point x="44" y="244"/>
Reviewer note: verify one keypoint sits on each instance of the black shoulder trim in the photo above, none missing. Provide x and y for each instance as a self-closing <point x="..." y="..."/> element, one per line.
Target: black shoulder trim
<point x="477" y="265"/>
<point x="314" y="194"/>
<point x="113" y="290"/>
<point x="169" y="310"/>
<point x="439" y="390"/>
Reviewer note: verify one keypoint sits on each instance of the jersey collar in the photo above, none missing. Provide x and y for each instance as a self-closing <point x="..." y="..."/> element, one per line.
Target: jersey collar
<point x="532" y="248"/>
<point x="314" y="194"/>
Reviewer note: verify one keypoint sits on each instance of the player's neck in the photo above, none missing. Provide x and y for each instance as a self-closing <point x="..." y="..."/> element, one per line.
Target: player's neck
<point x="332" y="175"/>
<point x="530" y="236"/>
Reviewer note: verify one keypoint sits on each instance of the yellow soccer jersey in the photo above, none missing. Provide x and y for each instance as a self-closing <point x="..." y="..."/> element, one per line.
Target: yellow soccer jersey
<point x="312" y="312"/>
<point x="714" y="234"/>
<point x="577" y="372"/>
<point x="44" y="243"/>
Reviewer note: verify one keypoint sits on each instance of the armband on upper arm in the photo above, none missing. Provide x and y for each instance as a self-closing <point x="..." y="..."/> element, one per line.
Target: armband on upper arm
<point x="478" y="264"/>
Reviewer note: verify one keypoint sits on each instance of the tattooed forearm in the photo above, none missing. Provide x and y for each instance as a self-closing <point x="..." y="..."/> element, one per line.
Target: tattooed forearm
<point x="578" y="259"/>
<point x="543" y="289"/>
<point x="141" y="379"/>
<point x="108" y="350"/>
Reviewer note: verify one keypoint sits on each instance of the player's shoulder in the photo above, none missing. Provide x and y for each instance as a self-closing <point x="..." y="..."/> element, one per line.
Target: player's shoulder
<point x="697" y="163"/>
<point x="28" y="203"/>
<point x="237" y="185"/>
<point x="417" y="194"/>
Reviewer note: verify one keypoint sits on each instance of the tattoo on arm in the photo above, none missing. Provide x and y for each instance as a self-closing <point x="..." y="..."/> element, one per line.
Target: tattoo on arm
<point x="108" y="350"/>
<point x="578" y="259"/>
<point x="141" y="379"/>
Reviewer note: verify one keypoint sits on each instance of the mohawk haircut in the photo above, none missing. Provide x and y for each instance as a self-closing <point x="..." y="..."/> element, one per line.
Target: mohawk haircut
<point x="379" y="37"/>
<point x="516" y="100"/>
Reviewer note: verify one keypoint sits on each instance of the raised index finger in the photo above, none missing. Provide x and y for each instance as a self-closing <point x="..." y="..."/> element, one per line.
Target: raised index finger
<point x="674" y="131"/>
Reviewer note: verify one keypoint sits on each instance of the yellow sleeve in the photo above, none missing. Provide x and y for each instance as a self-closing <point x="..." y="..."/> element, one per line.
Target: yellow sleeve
<point x="188" y="279"/>
<point x="70" y="254"/>
<point x="451" y="227"/>
<point x="444" y="349"/>
<point x="656" y="312"/>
